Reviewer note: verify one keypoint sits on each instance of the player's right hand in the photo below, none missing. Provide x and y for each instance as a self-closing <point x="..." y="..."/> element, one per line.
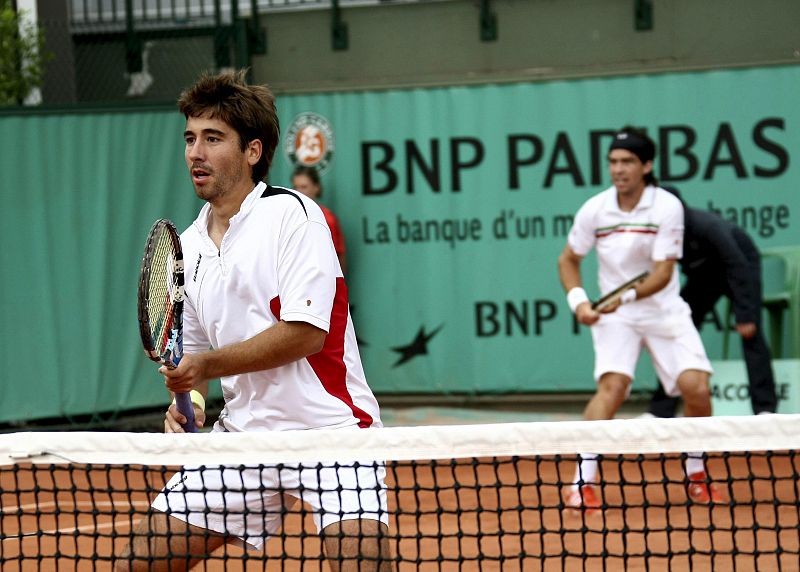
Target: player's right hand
<point x="585" y="315"/>
<point x="174" y="419"/>
<point x="188" y="375"/>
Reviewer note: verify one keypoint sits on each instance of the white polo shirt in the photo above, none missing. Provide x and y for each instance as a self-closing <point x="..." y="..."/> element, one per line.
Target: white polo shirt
<point x="276" y="262"/>
<point x="629" y="243"/>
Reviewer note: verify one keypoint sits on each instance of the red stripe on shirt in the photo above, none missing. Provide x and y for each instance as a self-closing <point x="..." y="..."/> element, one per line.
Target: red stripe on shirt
<point x="275" y="307"/>
<point x="620" y="230"/>
<point x="328" y="363"/>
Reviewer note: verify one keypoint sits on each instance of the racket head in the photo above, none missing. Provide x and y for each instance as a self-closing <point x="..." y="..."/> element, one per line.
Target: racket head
<point x="160" y="299"/>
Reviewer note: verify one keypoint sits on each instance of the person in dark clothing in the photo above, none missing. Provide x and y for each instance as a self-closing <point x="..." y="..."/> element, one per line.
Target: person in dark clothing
<point x="720" y="259"/>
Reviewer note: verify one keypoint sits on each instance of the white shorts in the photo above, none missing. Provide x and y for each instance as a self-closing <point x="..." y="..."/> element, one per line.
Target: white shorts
<point x="250" y="503"/>
<point x="672" y="341"/>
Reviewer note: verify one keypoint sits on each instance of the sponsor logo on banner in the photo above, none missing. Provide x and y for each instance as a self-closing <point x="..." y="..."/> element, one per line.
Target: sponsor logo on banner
<point x="310" y="141"/>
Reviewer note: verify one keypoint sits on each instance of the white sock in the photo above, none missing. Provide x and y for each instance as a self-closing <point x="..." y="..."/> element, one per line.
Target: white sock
<point x="586" y="471"/>
<point x="694" y="463"/>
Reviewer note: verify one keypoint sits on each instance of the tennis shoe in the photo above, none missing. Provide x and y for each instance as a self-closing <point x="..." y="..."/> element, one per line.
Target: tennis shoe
<point x="582" y="498"/>
<point x="703" y="492"/>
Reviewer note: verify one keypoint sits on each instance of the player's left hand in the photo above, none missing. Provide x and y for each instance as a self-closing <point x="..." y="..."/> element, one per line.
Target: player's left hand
<point x="746" y="329"/>
<point x="174" y="419"/>
<point x="189" y="374"/>
<point x="586" y="315"/>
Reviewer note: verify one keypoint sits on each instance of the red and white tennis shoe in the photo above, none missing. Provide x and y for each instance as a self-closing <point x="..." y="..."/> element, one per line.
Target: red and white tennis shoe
<point x="700" y="490"/>
<point x="583" y="498"/>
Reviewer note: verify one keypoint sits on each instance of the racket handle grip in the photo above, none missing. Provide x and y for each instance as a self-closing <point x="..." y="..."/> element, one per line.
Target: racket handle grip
<point x="184" y="403"/>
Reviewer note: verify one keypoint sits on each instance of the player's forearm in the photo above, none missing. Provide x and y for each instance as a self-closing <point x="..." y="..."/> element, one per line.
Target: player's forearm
<point x="281" y="344"/>
<point x="657" y="280"/>
<point x="569" y="270"/>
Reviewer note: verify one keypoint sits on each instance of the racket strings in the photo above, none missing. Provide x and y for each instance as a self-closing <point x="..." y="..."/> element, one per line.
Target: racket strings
<point x="161" y="293"/>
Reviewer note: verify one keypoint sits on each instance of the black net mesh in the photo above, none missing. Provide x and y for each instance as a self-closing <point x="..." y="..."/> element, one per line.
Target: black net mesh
<point x="453" y="512"/>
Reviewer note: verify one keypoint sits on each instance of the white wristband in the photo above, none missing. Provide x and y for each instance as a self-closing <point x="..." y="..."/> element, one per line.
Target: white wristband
<point x="575" y="297"/>
<point x="628" y="296"/>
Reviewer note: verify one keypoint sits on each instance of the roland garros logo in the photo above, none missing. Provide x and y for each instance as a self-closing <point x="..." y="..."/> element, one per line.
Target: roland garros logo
<point x="310" y="141"/>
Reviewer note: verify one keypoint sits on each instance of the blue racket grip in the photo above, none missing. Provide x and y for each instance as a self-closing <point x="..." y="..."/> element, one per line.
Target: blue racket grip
<point x="185" y="406"/>
<point x="184" y="403"/>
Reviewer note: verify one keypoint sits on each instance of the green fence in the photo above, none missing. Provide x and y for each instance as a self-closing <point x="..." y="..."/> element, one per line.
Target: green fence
<point x="455" y="203"/>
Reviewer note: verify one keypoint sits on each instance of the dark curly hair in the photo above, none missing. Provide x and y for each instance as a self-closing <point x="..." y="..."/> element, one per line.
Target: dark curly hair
<point x="249" y="109"/>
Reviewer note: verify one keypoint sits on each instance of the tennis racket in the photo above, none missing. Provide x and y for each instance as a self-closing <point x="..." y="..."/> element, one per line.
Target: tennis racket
<point x="161" y="305"/>
<point x="617" y="292"/>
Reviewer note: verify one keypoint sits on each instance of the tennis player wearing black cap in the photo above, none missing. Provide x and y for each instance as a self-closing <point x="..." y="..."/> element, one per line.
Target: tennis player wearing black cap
<point x="635" y="226"/>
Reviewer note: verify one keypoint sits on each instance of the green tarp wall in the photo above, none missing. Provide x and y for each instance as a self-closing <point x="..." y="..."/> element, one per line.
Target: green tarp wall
<point x="455" y="203"/>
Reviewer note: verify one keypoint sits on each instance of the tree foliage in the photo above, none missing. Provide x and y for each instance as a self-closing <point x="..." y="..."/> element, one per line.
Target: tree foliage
<point x="22" y="55"/>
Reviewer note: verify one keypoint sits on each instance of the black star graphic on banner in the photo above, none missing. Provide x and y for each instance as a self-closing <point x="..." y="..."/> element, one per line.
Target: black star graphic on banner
<point x="418" y="347"/>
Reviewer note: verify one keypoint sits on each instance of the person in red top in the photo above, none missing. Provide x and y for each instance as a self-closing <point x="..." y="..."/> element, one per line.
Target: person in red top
<point x="306" y="181"/>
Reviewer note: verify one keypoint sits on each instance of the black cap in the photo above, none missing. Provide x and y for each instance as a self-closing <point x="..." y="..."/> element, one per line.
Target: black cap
<point x="637" y="143"/>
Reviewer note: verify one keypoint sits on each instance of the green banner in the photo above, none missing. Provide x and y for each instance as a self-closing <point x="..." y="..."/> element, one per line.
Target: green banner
<point x="730" y="390"/>
<point x="455" y="203"/>
<point x="80" y="194"/>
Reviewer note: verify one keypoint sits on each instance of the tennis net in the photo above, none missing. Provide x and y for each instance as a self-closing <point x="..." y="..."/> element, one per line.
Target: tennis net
<point x="467" y="497"/>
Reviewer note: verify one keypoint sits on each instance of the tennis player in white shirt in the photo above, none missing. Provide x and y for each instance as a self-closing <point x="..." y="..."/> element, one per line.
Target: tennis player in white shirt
<point x="635" y="226"/>
<point x="266" y="311"/>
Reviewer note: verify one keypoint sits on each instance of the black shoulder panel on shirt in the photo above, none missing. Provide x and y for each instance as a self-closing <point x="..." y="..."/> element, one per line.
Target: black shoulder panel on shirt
<point x="275" y="191"/>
